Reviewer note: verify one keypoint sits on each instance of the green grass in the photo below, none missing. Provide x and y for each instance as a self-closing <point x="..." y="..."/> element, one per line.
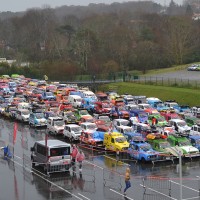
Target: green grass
<point x="181" y="95"/>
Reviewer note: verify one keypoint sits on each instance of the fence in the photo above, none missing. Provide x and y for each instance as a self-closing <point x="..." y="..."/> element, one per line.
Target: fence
<point x="165" y="81"/>
<point x="169" y="188"/>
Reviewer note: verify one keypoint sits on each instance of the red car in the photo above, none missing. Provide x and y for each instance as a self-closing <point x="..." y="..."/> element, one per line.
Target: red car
<point x="102" y="108"/>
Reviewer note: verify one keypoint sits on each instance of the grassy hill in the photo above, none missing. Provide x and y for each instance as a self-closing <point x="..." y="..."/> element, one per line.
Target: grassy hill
<point x="181" y="95"/>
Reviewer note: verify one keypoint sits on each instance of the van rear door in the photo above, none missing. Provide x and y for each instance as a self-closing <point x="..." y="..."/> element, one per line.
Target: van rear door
<point x="60" y="155"/>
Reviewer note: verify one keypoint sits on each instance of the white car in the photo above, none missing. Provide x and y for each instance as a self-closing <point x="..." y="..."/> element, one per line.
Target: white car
<point x="22" y="115"/>
<point x="180" y="126"/>
<point x="72" y="131"/>
<point x="55" y="125"/>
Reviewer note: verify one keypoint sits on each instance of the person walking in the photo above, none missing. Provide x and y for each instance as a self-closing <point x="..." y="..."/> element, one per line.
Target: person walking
<point x="80" y="157"/>
<point x="127" y="180"/>
<point x="74" y="154"/>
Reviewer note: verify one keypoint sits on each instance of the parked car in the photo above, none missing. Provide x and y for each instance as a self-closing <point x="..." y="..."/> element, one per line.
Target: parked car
<point x="55" y="125"/>
<point x="22" y="115"/>
<point x="184" y="144"/>
<point x="73" y="132"/>
<point x="92" y="138"/>
<point x="142" y="151"/>
<point x="53" y="155"/>
<point x="37" y="119"/>
<point x="180" y="126"/>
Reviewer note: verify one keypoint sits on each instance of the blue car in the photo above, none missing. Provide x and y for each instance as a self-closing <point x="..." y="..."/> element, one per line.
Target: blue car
<point x="142" y="151"/>
<point x="88" y="104"/>
<point x="49" y="96"/>
<point x="195" y="141"/>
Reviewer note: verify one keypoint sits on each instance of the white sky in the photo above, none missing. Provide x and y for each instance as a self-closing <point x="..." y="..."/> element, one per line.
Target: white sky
<point x="22" y="5"/>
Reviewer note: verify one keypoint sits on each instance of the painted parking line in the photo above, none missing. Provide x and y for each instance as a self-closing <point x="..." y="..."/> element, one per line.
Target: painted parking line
<point x="184" y="186"/>
<point x="158" y="192"/>
<point x="93" y="164"/>
<point x="121" y="194"/>
<point x="191" y="198"/>
<point x="83" y="196"/>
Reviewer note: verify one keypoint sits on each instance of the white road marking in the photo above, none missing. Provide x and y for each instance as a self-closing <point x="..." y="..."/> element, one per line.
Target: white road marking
<point x="50" y="181"/>
<point x="93" y="164"/>
<point x="184" y="186"/>
<point x="83" y="196"/>
<point x="158" y="192"/>
<point x="121" y="194"/>
<point x="192" y="198"/>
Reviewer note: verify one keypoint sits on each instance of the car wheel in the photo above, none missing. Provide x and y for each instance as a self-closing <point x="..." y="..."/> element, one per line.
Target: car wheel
<point x="143" y="160"/>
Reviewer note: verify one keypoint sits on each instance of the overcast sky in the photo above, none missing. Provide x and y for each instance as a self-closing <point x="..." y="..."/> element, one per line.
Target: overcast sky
<point x="22" y="5"/>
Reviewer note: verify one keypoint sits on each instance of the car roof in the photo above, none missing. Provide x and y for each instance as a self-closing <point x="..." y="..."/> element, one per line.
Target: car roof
<point x="72" y="125"/>
<point x="53" y="143"/>
<point x="177" y="120"/>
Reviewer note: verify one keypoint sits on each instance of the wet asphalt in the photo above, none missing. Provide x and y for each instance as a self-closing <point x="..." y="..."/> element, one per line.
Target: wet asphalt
<point x="101" y="178"/>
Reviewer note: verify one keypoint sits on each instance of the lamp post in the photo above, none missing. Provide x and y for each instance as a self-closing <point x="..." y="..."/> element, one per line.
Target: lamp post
<point x="180" y="153"/>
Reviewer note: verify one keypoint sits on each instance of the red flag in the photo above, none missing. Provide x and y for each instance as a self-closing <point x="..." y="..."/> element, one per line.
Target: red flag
<point x="15" y="133"/>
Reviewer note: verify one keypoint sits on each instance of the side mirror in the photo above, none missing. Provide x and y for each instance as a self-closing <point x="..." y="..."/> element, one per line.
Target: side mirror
<point x="32" y="149"/>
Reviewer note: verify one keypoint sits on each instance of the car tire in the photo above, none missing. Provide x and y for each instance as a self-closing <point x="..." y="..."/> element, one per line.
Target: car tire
<point x="143" y="160"/>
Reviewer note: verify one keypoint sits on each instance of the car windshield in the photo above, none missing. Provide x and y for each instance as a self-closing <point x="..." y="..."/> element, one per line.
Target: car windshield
<point x="164" y="145"/>
<point x="181" y="124"/>
<point x="198" y="141"/>
<point x="91" y="127"/>
<point x="39" y="115"/>
<point x="145" y="147"/>
<point x="125" y="123"/>
<point x="105" y="105"/>
<point x="76" y="129"/>
<point x="120" y="139"/>
<point x="83" y="112"/>
<point x="49" y="94"/>
<point x="184" y="143"/>
<point x="173" y="104"/>
<point x="59" y="123"/>
<point x="121" y="108"/>
<point x="127" y="130"/>
<point x="142" y="115"/>
<point x="161" y="119"/>
<point x="137" y="138"/>
<point x="61" y="151"/>
<point x="26" y="112"/>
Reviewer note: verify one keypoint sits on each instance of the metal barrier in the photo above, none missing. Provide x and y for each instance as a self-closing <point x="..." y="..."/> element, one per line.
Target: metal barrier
<point x="27" y="163"/>
<point x="160" y="184"/>
<point x="114" y="175"/>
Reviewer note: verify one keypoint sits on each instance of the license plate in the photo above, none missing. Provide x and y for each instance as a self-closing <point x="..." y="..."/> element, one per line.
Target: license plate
<point x="167" y="158"/>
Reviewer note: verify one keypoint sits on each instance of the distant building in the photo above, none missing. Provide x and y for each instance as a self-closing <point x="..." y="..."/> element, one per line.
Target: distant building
<point x="4" y="60"/>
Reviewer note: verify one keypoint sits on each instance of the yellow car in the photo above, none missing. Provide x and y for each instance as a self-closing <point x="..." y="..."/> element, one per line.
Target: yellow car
<point x="115" y="141"/>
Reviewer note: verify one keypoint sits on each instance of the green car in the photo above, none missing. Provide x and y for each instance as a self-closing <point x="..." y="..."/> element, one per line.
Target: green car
<point x="192" y="121"/>
<point x="185" y="145"/>
<point x="162" y="146"/>
<point x="161" y="121"/>
<point x="81" y="112"/>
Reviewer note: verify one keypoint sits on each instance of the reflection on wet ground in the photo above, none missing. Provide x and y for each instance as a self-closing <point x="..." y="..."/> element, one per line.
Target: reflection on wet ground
<point x="102" y="176"/>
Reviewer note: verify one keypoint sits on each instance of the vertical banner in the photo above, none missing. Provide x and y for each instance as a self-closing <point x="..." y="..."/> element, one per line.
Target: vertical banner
<point x="14" y="133"/>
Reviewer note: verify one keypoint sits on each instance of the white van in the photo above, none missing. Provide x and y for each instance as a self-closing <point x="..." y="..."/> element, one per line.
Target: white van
<point x="53" y="155"/>
<point x="89" y="94"/>
<point x="75" y="100"/>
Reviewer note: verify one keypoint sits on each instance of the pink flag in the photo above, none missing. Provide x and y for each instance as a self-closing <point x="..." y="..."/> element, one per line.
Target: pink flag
<point x="14" y="133"/>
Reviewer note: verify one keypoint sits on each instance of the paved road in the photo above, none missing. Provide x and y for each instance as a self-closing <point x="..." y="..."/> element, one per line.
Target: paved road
<point x="102" y="176"/>
<point x="181" y="74"/>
